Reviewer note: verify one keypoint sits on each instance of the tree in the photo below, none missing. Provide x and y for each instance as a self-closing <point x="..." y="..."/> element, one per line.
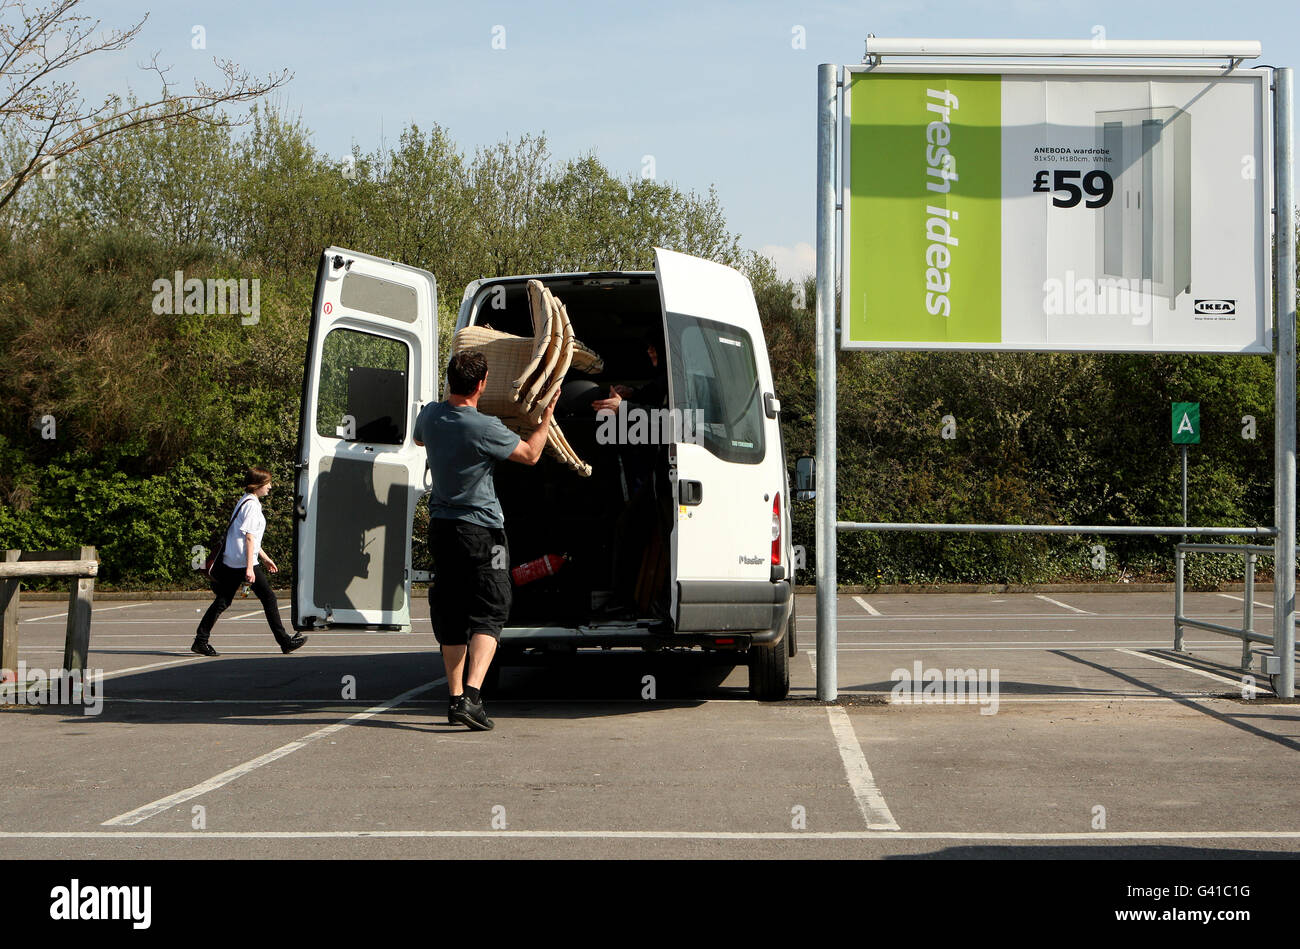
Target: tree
<point x="46" y="115"/>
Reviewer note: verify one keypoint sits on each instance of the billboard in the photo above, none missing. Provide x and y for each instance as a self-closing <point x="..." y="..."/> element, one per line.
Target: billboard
<point x="1056" y="209"/>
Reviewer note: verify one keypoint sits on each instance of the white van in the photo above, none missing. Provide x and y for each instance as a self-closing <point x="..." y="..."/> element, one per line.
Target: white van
<point x="668" y="545"/>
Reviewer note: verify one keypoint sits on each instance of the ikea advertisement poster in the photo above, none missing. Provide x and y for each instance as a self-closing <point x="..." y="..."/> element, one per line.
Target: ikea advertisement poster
<point x="1107" y="210"/>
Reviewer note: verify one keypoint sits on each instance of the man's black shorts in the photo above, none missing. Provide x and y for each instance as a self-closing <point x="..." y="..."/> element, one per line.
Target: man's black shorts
<point x="471" y="589"/>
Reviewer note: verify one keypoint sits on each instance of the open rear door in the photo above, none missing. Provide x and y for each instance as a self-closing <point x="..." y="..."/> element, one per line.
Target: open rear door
<point x="371" y="357"/>
<point x="726" y="470"/>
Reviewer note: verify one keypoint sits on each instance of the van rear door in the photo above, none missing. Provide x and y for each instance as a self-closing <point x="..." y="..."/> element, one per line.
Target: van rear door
<point x="726" y="468"/>
<point x="371" y="357"/>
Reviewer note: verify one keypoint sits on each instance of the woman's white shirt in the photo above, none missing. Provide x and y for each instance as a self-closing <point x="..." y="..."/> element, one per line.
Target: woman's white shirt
<point x="250" y="520"/>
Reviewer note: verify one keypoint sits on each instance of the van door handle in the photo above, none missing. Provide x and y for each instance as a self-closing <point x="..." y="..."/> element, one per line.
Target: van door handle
<point x="690" y="492"/>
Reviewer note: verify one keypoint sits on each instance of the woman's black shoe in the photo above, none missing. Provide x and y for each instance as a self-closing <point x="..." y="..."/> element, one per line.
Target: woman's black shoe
<point x="296" y="643"/>
<point x="203" y="649"/>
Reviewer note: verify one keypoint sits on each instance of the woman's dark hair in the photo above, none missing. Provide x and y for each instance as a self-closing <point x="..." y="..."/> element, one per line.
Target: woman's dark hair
<point x="256" y="476"/>
<point x="465" y="371"/>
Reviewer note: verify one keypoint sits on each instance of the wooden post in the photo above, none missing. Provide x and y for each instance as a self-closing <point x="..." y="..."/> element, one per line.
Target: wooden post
<point x="9" y="623"/>
<point x="77" y="646"/>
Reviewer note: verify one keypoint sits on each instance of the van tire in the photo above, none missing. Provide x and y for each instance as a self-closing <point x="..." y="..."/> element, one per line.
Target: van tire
<point x="769" y="671"/>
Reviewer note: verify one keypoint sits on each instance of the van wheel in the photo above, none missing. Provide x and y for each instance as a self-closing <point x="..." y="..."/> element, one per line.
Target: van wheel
<point x="769" y="672"/>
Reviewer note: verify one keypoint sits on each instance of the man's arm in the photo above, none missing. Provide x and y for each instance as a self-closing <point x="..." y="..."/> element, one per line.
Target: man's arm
<point x="529" y="451"/>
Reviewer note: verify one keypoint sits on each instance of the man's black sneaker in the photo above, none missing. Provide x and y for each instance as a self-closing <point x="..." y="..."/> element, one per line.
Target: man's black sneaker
<point x="455" y="704"/>
<point x="296" y="643"/>
<point x="472" y="714"/>
<point x="203" y="649"/>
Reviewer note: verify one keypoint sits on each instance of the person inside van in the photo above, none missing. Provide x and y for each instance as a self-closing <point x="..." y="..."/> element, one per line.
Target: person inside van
<point x="641" y="536"/>
<point x="652" y="395"/>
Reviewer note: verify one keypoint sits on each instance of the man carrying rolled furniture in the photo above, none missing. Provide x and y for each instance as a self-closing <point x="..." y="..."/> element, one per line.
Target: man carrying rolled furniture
<point x="469" y="599"/>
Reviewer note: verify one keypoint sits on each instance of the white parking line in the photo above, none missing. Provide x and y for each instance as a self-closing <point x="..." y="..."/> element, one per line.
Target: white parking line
<point x="1047" y="647"/>
<point x="1075" y="609"/>
<point x="103" y="609"/>
<point x="117" y="672"/>
<point x="332" y="634"/>
<point x="1229" y="596"/>
<point x="1235" y="683"/>
<point x="190" y="617"/>
<point x="1009" y="642"/>
<point x="1097" y="836"/>
<point x="866" y="606"/>
<point x="156" y="665"/>
<point x="423" y="627"/>
<point x="917" y="617"/>
<point x="162" y="804"/>
<point x="255" y="613"/>
<point x="870" y="801"/>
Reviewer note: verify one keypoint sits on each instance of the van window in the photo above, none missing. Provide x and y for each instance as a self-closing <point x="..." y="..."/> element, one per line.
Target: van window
<point x="714" y="372"/>
<point x="370" y="294"/>
<point x="363" y="388"/>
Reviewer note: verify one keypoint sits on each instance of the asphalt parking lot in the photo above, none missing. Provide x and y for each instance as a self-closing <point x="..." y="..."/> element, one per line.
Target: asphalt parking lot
<point x="1093" y="742"/>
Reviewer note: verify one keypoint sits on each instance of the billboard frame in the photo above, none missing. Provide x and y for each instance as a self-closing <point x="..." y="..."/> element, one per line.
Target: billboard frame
<point x="1260" y="75"/>
<point x="831" y="126"/>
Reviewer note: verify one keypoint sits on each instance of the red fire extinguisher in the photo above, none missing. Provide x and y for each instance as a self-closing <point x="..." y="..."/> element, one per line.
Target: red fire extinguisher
<point x="536" y="569"/>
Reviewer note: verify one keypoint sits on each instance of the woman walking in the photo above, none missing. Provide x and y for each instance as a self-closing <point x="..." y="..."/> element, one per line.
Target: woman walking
<point x="239" y="564"/>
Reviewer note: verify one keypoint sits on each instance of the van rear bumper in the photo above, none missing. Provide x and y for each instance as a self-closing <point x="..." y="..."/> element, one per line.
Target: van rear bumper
<point x="757" y="612"/>
<point x="759" y="607"/>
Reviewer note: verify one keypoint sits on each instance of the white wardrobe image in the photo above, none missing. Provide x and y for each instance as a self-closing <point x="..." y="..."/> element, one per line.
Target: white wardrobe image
<point x="1144" y="232"/>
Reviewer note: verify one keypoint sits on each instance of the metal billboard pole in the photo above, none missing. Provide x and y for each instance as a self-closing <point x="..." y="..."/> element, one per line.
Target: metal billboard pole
<point x="827" y="343"/>
<point x="1284" y="446"/>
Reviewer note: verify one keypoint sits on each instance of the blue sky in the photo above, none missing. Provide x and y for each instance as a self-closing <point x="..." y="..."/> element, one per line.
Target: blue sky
<point x="717" y="93"/>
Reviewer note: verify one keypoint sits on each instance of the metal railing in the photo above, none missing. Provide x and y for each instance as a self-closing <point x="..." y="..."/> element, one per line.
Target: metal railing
<point x="1136" y="530"/>
<point x="1247" y="633"/>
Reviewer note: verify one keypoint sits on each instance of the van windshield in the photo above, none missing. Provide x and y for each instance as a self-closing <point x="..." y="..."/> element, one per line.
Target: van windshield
<point x="714" y="376"/>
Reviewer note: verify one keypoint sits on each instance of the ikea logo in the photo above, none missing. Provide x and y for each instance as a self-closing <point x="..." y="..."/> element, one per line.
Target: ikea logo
<point x="1216" y="307"/>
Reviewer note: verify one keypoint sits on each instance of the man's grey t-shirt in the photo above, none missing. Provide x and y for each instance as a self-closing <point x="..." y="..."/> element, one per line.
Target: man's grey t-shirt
<point x="463" y="446"/>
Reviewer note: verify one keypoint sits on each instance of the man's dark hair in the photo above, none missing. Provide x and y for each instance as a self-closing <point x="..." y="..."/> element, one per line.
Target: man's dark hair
<point x="465" y="371"/>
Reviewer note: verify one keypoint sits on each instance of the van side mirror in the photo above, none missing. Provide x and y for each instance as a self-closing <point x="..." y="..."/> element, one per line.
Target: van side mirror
<point x="805" y="471"/>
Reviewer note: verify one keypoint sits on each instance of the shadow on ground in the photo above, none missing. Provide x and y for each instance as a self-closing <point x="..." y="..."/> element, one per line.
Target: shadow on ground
<point x="1102" y="850"/>
<point x="316" y="689"/>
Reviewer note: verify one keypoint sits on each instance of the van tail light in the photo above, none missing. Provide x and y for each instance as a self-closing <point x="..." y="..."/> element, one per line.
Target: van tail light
<point x="776" y="531"/>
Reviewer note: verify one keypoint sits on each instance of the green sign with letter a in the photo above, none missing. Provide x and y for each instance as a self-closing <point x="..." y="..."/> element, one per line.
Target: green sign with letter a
<point x="1186" y="423"/>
